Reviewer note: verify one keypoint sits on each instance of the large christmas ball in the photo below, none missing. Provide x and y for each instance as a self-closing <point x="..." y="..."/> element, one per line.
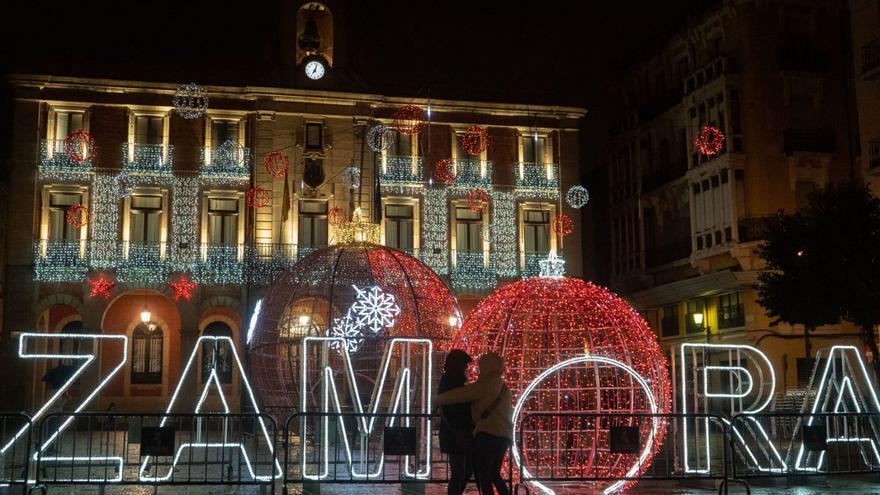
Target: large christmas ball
<point x="572" y="347"/>
<point x="363" y="293"/>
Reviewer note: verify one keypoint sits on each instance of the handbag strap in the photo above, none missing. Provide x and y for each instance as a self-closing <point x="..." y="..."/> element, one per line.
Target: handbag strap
<point x="495" y="402"/>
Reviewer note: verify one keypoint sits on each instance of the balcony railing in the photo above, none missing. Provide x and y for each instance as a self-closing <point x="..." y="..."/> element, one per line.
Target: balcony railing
<point x="54" y="158"/>
<point x="400" y="169"/>
<point x="473" y="172"/>
<point x="226" y="162"/>
<point x="706" y="74"/>
<point x="138" y="157"/>
<point x="809" y="140"/>
<point x="871" y="59"/>
<point x="65" y="261"/>
<point x="530" y="175"/>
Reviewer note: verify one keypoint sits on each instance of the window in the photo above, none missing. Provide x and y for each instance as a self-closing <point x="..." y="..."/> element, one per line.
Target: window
<point x="536" y="231"/>
<point x="223" y="221"/>
<point x="468" y="230"/>
<point x="59" y="229"/>
<point x="460" y="153"/>
<point x="146" y="354"/>
<point x="402" y="145"/>
<point x="533" y="149"/>
<point x="313" y="223"/>
<point x="314" y="136"/>
<point x="694" y="307"/>
<point x="67" y="122"/>
<point x="669" y="323"/>
<point x="222" y="131"/>
<point x="399" y="227"/>
<point x="148" y="130"/>
<point x="730" y="311"/>
<point x="216" y="354"/>
<point x="146" y="215"/>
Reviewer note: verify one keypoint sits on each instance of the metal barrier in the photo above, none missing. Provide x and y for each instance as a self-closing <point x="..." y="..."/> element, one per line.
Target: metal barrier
<point x="565" y="448"/>
<point x="157" y="449"/>
<point x="798" y="444"/>
<point x="15" y="462"/>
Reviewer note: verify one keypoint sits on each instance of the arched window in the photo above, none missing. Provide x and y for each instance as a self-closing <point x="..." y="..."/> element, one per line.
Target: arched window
<point x="216" y="353"/>
<point x="146" y="354"/>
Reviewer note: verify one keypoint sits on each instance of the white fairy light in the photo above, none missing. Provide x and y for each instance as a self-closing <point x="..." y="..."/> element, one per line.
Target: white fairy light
<point x="380" y="138"/>
<point x="577" y="196"/>
<point x="552" y="267"/>
<point x="374" y="309"/>
<point x="351" y="177"/>
<point x="190" y="100"/>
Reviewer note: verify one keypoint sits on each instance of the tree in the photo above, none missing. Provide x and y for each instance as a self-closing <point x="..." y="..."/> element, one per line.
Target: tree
<point x="824" y="263"/>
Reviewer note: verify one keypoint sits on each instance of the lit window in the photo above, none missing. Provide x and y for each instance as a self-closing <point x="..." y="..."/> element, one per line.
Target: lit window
<point x="146" y="354"/>
<point x="314" y="136"/>
<point x="536" y="231"/>
<point x="399" y="227"/>
<point x="533" y="149"/>
<point x="468" y="230"/>
<point x="731" y="311"/>
<point x="313" y="223"/>
<point x="222" y="131"/>
<point x="223" y="221"/>
<point x="402" y="144"/>
<point x="59" y="229"/>
<point x="148" y="130"/>
<point x="146" y="216"/>
<point x="216" y="353"/>
<point x="67" y="122"/>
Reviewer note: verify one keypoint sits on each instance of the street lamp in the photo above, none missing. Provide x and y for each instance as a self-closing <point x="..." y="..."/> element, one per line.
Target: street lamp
<point x="146" y="316"/>
<point x="698" y="321"/>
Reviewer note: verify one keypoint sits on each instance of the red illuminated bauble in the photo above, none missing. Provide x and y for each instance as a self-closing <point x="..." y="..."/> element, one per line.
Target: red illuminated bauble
<point x="336" y="216"/>
<point x="477" y="200"/>
<point x="475" y="140"/>
<point x="277" y="163"/>
<point x="538" y="323"/>
<point x="80" y="146"/>
<point x="709" y="141"/>
<point x="308" y="300"/>
<point x="78" y="216"/>
<point x="563" y="225"/>
<point x="410" y="119"/>
<point x="444" y="172"/>
<point x="257" y="197"/>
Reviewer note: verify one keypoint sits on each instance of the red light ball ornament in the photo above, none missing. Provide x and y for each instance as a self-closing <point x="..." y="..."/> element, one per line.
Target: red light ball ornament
<point x="336" y="216"/>
<point x="277" y="163"/>
<point x="79" y="146"/>
<point x="475" y="140"/>
<point x="709" y="141"/>
<point x="78" y="216"/>
<point x="563" y="225"/>
<point x="444" y="172"/>
<point x="477" y="200"/>
<point x="410" y="119"/>
<point x="257" y="197"/>
<point x="571" y="346"/>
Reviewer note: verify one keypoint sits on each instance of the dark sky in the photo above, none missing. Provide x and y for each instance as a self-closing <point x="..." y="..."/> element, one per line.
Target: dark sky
<point x="536" y="51"/>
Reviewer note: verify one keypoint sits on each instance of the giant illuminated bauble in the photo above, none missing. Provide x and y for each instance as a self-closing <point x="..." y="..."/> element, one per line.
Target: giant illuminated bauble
<point x="614" y="366"/>
<point x="319" y="291"/>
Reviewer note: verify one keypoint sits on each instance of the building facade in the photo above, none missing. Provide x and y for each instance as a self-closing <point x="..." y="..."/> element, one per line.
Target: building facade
<point x="167" y="200"/>
<point x="685" y="225"/>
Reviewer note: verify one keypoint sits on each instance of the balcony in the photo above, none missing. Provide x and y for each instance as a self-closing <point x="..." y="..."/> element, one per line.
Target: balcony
<point x="226" y="163"/>
<point x="530" y="175"/>
<point x="473" y="173"/>
<point x="706" y="74"/>
<point x="472" y="271"/>
<point x="871" y="60"/>
<point x="400" y="169"/>
<point x="149" y="158"/>
<point x="809" y="141"/>
<point x="57" y="262"/>
<point x="54" y="161"/>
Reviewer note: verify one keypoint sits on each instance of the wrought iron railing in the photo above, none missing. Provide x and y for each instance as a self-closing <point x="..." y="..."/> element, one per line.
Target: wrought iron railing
<point x="400" y="169"/>
<point x="531" y="175"/>
<point x="54" y="158"/>
<point x="226" y="161"/>
<point x="473" y="172"/>
<point x="137" y="157"/>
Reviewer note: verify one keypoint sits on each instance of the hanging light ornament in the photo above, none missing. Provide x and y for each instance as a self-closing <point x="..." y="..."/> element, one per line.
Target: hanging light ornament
<point x="100" y="287"/>
<point x="182" y="288"/>
<point x="351" y="177"/>
<point x="444" y="171"/>
<point x="78" y="216"/>
<point x="257" y="197"/>
<point x="475" y="140"/>
<point x="190" y="101"/>
<point x="577" y="196"/>
<point x="79" y="146"/>
<point x="409" y="119"/>
<point x="563" y="225"/>
<point x="277" y="163"/>
<point x="477" y="200"/>
<point x="230" y="154"/>
<point x="336" y="216"/>
<point x="380" y="138"/>
<point x="709" y="141"/>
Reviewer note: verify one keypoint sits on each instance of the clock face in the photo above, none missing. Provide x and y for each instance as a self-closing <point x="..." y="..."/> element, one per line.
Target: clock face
<point x="315" y="70"/>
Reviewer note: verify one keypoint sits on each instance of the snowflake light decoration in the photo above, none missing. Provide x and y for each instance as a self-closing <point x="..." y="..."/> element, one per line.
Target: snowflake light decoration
<point x="351" y="177"/>
<point x="577" y="196"/>
<point x="277" y="163"/>
<point x="380" y="138"/>
<point x="100" y="287"/>
<point x="190" y="100"/>
<point x="79" y="146"/>
<point x="709" y="141"/>
<point x="374" y="309"/>
<point x="78" y="216"/>
<point x="346" y="328"/>
<point x="183" y="288"/>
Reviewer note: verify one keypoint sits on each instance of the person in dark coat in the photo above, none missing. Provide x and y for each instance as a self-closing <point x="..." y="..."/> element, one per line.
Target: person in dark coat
<point x="456" y="423"/>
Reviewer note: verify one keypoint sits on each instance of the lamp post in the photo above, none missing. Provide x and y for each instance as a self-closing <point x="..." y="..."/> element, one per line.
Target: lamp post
<point x="698" y="320"/>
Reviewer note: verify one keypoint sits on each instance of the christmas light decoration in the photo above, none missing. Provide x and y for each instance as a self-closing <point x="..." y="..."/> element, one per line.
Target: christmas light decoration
<point x="552" y="267"/>
<point x="80" y="146"/>
<point x="473" y="173"/>
<point x="563" y="225"/>
<point x="213" y="379"/>
<point x="148" y="158"/>
<point x="230" y="154"/>
<point x="505" y="249"/>
<point x="374" y="309"/>
<point x="336" y="216"/>
<point x="405" y="395"/>
<point x="409" y="119"/>
<point x="435" y="230"/>
<point x="380" y="138"/>
<point x="709" y="141"/>
<point x="277" y="163"/>
<point x="77" y="215"/>
<point x="475" y="140"/>
<point x="396" y="170"/>
<point x="257" y="197"/>
<point x="55" y="165"/>
<point x="352" y="338"/>
<point x="444" y="172"/>
<point x="477" y="200"/>
<point x="125" y="185"/>
<point x="577" y="196"/>
<point x="100" y="287"/>
<point x="253" y="321"/>
<point x="190" y="100"/>
<point x="182" y="288"/>
<point x="537" y="176"/>
<point x="539" y="326"/>
<point x="351" y="177"/>
<point x="320" y="287"/>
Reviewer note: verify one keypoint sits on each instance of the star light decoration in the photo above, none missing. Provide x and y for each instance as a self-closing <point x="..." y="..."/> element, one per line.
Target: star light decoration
<point x="409" y="119"/>
<point x="477" y="200"/>
<point x="100" y="287"/>
<point x="183" y="287"/>
<point x="79" y="146"/>
<point x="77" y="215"/>
<point x="563" y="225"/>
<point x="380" y="138"/>
<point x="475" y="140"/>
<point x="277" y="163"/>
<point x="709" y="141"/>
<point x="444" y="172"/>
<point x="577" y="196"/>
<point x="351" y="177"/>
<point x="190" y="101"/>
